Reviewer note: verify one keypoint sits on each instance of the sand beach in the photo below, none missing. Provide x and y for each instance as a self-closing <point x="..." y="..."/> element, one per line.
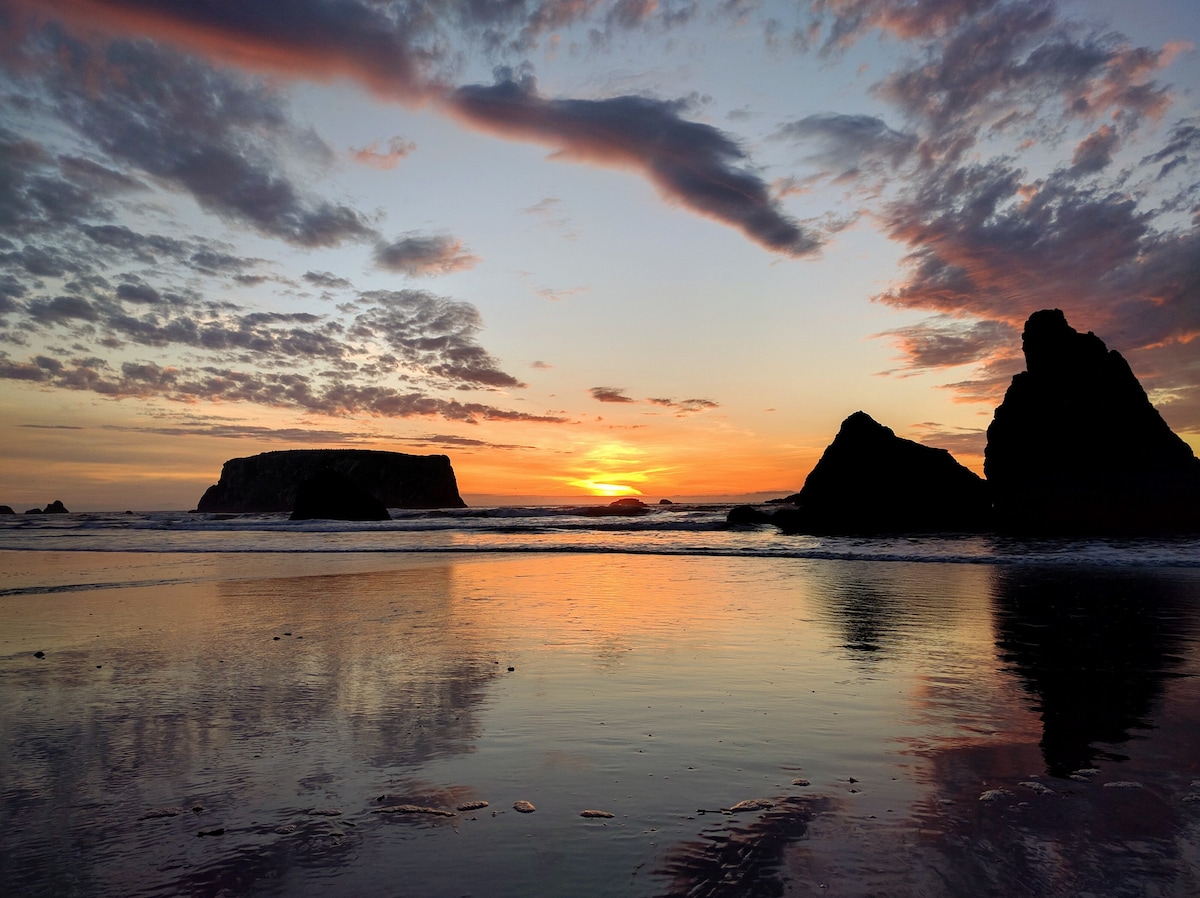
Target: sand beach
<point x="287" y="723"/>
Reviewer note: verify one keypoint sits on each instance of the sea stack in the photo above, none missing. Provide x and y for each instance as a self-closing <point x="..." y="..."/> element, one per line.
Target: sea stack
<point x="871" y="481"/>
<point x="1077" y="448"/>
<point x="269" y="482"/>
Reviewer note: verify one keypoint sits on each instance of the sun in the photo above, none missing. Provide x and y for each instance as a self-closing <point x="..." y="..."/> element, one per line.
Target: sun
<point x="611" y="490"/>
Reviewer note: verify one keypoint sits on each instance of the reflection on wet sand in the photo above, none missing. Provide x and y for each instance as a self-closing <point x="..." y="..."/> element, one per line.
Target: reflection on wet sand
<point x="1093" y="650"/>
<point x="873" y="703"/>
<point x="255" y="703"/>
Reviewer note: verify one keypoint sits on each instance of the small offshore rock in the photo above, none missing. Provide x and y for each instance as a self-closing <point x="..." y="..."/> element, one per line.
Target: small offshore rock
<point x="1080" y="778"/>
<point x="525" y="807"/>
<point x="285" y="829"/>
<point x="593" y="813"/>
<point x="158" y="813"/>
<point x="472" y="805"/>
<point x="995" y="795"/>
<point x="1039" y="788"/>
<point x="414" y="809"/>
<point x="801" y="781"/>
<point x="326" y="812"/>
<point x="1086" y="771"/>
<point x="752" y="804"/>
<point x="1123" y="784"/>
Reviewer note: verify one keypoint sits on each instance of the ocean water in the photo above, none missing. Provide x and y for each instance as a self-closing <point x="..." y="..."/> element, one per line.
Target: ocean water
<point x="240" y="705"/>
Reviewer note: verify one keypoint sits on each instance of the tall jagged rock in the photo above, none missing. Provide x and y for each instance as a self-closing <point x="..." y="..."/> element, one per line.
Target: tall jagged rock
<point x="871" y="481"/>
<point x="269" y="482"/>
<point x="1076" y="446"/>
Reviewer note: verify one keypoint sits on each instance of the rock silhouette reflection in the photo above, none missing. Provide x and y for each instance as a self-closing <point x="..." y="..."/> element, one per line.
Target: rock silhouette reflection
<point x="1093" y="649"/>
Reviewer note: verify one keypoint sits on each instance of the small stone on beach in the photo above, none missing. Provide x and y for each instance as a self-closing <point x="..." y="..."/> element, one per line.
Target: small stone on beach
<point x="158" y="813"/>
<point x="994" y="795"/>
<point x="472" y="805"/>
<point x="752" y="804"/>
<point x="1039" y="788"/>
<point x="414" y="809"/>
<point x="525" y="807"/>
<point x="801" y="782"/>
<point x="592" y="813"/>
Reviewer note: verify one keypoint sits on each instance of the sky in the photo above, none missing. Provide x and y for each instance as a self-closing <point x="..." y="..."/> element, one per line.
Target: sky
<point x="658" y="248"/>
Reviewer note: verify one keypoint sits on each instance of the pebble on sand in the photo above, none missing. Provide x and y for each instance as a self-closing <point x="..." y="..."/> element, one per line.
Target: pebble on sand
<point x="525" y="807"/>
<point x="1039" y="788"/>
<point x="801" y="782"/>
<point x="592" y="813"/>
<point x="414" y="809"/>
<point x="158" y="813"/>
<point x="752" y="804"/>
<point x="472" y="805"/>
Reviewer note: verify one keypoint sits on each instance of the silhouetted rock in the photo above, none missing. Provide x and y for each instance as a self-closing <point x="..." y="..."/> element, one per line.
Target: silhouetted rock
<point x="630" y="505"/>
<point x="871" y="481"/>
<point x="665" y="502"/>
<point x="748" y="514"/>
<point x="6" y="509"/>
<point x="55" y="507"/>
<point x="331" y="496"/>
<point x="268" y="482"/>
<point x="1076" y="446"/>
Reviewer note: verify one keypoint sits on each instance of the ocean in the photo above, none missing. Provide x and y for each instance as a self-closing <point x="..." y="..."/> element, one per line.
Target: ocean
<point x="223" y="705"/>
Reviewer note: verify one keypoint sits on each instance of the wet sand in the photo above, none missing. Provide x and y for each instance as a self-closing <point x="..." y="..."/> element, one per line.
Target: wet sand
<point x="252" y="724"/>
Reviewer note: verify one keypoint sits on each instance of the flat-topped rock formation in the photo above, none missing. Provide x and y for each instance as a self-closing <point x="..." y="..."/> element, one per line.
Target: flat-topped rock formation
<point x="328" y="495"/>
<point x="269" y="482"/>
<point x="1076" y="446"/>
<point x="871" y="481"/>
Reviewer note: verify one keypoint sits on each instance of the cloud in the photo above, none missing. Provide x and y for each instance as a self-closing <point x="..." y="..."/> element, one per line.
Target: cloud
<point x="417" y="255"/>
<point x="610" y="394"/>
<point x="291" y="390"/>
<point x="848" y="142"/>
<point x="397" y="149"/>
<point x="944" y="343"/>
<point x="686" y="406"/>
<point x="326" y="280"/>
<point x="178" y="120"/>
<point x="1095" y="152"/>
<point x="681" y="407"/>
<point x="693" y="164"/>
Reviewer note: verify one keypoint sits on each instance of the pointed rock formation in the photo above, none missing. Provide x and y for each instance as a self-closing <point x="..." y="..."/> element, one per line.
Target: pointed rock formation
<point x="871" y="481"/>
<point x="1076" y="446"/>
<point x="269" y="482"/>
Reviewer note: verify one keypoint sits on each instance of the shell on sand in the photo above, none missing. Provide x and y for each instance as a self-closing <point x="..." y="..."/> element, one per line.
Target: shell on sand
<point x="593" y="813"/>
<point x="472" y="805"/>
<point x="414" y="809"/>
<point x="752" y="804"/>
<point x="525" y="807"/>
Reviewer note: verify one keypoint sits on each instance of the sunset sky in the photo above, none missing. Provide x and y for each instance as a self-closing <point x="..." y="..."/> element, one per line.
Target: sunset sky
<point x="582" y="247"/>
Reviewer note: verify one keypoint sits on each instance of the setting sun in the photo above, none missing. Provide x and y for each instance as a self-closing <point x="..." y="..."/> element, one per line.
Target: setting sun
<point x="604" y="489"/>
